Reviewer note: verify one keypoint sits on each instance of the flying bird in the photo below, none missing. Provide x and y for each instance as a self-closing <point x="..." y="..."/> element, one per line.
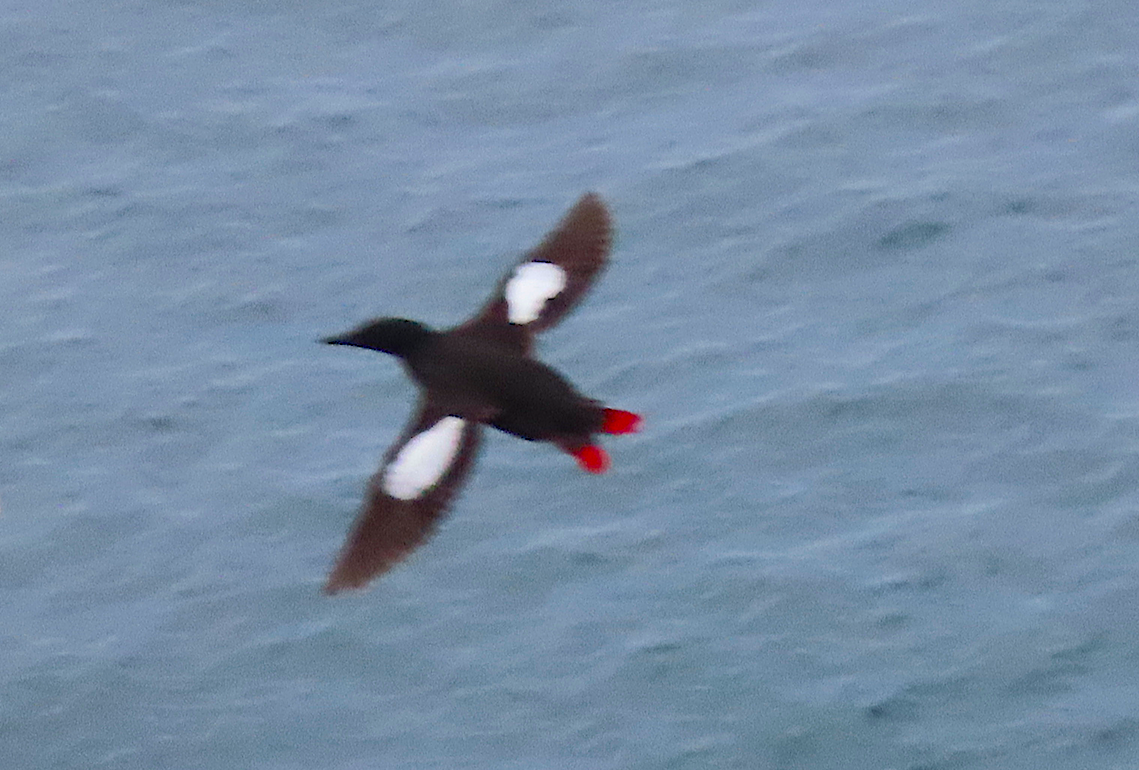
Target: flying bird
<point x="478" y="373"/>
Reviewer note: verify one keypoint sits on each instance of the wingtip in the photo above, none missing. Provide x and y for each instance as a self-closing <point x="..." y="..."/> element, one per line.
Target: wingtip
<point x="339" y="583"/>
<point x="588" y="226"/>
<point x="331" y="591"/>
<point x="334" y="585"/>
<point x="592" y="200"/>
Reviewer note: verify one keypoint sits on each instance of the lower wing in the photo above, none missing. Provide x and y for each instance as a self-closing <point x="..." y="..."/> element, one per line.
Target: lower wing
<point x="420" y="476"/>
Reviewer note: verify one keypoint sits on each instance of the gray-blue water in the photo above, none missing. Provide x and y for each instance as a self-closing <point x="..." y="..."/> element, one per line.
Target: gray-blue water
<point x="876" y="290"/>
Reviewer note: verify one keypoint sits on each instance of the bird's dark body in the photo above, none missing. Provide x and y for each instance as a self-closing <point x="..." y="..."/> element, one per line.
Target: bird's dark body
<point x="514" y="393"/>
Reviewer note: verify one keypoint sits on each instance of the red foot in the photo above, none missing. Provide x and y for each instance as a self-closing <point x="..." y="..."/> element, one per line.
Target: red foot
<point x="619" y="421"/>
<point x="591" y="458"/>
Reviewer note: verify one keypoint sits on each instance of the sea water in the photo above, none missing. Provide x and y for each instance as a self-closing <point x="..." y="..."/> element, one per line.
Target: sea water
<point x="875" y="290"/>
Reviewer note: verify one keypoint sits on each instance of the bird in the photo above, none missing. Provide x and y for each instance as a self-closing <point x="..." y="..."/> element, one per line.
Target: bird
<point x="480" y="373"/>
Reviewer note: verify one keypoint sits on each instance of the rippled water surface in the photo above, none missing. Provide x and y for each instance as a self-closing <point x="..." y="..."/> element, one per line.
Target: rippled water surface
<point x="875" y="289"/>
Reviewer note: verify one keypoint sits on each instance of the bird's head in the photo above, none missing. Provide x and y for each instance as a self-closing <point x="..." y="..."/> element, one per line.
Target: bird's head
<point x="396" y="336"/>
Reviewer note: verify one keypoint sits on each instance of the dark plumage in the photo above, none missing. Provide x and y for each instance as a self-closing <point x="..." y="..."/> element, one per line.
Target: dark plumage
<point x="477" y="373"/>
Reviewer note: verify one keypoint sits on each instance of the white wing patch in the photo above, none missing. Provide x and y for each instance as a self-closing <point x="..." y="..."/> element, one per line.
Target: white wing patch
<point x="424" y="459"/>
<point x="531" y="286"/>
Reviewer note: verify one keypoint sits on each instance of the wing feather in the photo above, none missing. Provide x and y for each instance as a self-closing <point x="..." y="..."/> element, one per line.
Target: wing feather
<point x="388" y="528"/>
<point x="579" y="246"/>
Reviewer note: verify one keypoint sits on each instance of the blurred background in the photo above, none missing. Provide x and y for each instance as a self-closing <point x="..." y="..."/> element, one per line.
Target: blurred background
<point x="874" y="289"/>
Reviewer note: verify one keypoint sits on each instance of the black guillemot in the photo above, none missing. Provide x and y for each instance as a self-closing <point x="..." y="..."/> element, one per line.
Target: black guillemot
<point x="480" y="373"/>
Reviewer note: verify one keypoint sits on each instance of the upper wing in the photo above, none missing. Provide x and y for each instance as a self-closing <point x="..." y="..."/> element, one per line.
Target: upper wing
<point x="549" y="281"/>
<point x="408" y="496"/>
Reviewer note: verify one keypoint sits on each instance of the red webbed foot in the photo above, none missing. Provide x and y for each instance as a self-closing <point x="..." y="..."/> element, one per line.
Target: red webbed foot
<point x="591" y="458"/>
<point x="618" y="421"/>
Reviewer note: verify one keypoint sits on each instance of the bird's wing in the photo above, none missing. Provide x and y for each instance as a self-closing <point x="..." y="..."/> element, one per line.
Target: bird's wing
<point x="407" y="497"/>
<point x="549" y="281"/>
